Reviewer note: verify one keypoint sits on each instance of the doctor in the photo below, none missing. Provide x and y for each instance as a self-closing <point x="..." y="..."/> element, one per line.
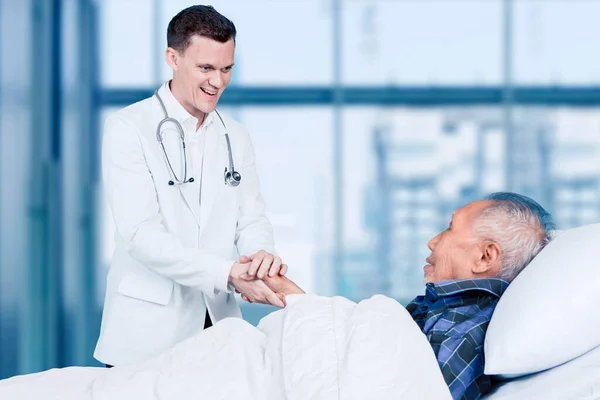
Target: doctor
<point x="182" y="186"/>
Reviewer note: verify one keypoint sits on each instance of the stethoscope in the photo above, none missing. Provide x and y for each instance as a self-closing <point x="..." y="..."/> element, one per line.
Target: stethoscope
<point x="232" y="177"/>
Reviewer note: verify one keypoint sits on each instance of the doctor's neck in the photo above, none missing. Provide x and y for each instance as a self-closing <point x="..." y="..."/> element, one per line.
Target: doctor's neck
<point x="179" y="94"/>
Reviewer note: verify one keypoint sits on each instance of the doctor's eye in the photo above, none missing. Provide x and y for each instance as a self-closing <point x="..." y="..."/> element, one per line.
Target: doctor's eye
<point x="204" y="68"/>
<point x="227" y="69"/>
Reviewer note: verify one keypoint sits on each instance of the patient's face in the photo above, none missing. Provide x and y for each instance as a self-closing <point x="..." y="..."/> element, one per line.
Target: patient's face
<point x="453" y="251"/>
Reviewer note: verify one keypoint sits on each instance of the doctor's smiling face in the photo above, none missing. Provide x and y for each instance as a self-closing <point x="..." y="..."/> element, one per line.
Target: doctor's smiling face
<point x="201" y="54"/>
<point x="201" y="73"/>
<point x="456" y="253"/>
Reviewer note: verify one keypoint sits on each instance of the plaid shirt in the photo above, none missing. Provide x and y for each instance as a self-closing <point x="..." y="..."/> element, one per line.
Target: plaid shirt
<point x="455" y="315"/>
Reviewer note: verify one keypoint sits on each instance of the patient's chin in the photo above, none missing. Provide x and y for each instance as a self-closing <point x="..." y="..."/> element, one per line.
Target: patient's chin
<point x="428" y="274"/>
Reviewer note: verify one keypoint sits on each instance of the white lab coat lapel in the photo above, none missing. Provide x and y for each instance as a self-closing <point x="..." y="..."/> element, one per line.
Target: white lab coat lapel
<point x="190" y="192"/>
<point x="212" y="172"/>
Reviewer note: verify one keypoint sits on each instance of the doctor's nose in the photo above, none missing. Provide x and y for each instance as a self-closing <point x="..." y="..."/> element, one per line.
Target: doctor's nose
<point x="217" y="80"/>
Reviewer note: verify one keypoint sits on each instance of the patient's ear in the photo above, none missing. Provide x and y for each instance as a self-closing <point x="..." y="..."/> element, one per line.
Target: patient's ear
<point x="489" y="259"/>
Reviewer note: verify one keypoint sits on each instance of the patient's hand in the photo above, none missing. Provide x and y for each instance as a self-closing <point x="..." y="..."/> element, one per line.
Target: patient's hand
<point x="277" y="283"/>
<point x="254" y="290"/>
<point x="260" y="293"/>
<point x="281" y="284"/>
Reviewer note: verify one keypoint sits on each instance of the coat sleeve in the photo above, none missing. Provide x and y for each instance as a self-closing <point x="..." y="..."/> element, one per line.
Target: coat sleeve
<point x="254" y="231"/>
<point x="134" y="206"/>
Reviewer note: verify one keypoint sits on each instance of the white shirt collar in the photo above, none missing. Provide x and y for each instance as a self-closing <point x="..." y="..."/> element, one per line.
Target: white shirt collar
<point x="176" y="110"/>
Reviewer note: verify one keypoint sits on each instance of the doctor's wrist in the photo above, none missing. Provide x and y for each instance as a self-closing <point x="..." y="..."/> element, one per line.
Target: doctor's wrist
<point x="222" y="277"/>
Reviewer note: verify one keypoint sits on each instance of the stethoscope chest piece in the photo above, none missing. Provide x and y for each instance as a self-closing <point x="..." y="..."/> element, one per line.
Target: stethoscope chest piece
<point x="232" y="178"/>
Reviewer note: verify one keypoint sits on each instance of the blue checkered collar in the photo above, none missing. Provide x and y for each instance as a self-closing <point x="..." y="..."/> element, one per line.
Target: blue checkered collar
<point x="493" y="286"/>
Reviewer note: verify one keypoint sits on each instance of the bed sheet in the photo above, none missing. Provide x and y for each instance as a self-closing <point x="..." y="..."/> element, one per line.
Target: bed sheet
<point x="316" y="348"/>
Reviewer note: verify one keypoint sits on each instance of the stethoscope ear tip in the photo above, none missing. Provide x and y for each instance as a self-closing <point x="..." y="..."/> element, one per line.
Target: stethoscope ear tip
<point x="171" y="183"/>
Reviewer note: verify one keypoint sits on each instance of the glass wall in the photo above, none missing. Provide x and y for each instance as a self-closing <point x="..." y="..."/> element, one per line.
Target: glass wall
<point x="408" y="160"/>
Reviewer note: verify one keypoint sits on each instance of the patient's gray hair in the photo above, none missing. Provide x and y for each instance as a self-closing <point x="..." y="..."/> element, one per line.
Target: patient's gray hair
<point x="519" y="225"/>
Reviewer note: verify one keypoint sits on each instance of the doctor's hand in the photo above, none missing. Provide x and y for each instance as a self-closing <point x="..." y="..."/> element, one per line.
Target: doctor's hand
<point x="253" y="291"/>
<point x="264" y="264"/>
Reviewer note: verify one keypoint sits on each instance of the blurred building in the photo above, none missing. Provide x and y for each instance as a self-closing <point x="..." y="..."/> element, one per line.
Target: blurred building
<point x="576" y="169"/>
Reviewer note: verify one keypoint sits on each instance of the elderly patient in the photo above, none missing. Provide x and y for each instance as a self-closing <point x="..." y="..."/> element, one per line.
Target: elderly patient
<point x="486" y="245"/>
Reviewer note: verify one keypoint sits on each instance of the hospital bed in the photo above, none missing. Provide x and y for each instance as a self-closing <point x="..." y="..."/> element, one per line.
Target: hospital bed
<point x="543" y="342"/>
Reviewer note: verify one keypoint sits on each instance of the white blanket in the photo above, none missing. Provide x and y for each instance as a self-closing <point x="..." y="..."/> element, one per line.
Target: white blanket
<point x="316" y="348"/>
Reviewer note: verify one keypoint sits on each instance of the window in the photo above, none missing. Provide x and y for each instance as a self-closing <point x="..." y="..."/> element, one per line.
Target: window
<point x="422" y="42"/>
<point x="282" y="51"/>
<point x="434" y="159"/>
<point x="553" y="42"/>
<point x="131" y="62"/>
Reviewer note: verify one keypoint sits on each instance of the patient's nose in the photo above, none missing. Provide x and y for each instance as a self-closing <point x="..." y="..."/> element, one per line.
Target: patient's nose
<point x="433" y="242"/>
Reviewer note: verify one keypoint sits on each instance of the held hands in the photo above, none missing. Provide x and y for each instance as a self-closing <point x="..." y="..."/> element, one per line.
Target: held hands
<point x="274" y="279"/>
<point x="254" y="290"/>
<point x="264" y="281"/>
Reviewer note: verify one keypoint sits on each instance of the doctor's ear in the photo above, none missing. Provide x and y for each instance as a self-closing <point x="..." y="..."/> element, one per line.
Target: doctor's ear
<point x="172" y="57"/>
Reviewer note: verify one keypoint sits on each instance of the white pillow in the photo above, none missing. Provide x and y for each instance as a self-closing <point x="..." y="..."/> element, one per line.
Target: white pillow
<point x="550" y="313"/>
<point x="577" y="379"/>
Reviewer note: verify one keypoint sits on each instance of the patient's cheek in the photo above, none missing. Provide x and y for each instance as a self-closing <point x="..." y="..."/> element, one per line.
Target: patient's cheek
<point x="442" y="268"/>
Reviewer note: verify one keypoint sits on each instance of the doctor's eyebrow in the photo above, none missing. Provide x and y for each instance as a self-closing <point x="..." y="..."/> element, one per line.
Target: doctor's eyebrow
<point x="212" y="66"/>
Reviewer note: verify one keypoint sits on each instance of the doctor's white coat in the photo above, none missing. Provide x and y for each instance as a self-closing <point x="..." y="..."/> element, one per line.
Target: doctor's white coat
<point x="174" y="245"/>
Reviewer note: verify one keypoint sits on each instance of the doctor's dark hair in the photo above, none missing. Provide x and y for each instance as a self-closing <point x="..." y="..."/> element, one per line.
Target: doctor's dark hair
<point x="198" y="20"/>
<point x="519" y="225"/>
